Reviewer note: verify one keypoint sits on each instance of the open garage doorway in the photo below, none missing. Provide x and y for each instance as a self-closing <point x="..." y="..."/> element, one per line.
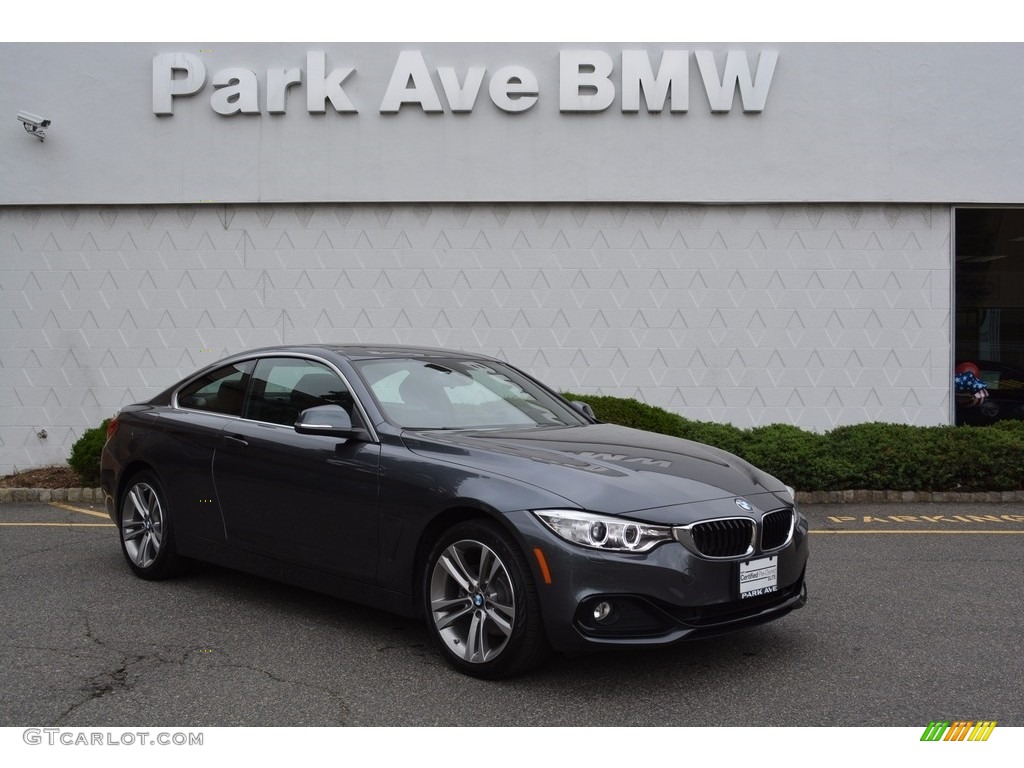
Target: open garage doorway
<point x="989" y="305"/>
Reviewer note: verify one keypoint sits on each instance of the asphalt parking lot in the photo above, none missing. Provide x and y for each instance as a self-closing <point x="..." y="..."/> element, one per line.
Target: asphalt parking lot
<point x="914" y="615"/>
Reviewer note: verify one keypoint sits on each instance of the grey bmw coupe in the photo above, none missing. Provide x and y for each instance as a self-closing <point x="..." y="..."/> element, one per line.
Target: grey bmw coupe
<point x="454" y="487"/>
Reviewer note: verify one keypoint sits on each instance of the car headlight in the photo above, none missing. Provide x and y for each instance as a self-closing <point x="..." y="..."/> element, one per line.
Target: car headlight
<point x="792" y="493"/>
<point x="607" y="533"/>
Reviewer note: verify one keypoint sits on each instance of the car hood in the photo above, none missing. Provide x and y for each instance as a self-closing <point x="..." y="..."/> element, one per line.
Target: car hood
<point x="607" y="468"/>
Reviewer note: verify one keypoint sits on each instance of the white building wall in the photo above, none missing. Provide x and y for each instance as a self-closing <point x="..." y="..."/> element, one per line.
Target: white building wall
<point x="850" y="122"/>
<point x="816" y="315"/>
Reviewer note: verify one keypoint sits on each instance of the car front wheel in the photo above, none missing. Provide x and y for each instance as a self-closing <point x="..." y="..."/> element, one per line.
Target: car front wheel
<point x="481" y="602"/>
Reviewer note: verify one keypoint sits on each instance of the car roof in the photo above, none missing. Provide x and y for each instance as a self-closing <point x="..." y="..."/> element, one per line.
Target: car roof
<point x="369" y="351"/>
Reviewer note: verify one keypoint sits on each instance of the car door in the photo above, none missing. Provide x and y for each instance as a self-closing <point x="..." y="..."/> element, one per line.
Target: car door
<point x="306" y="499"/>
<point x="188" y="435"/>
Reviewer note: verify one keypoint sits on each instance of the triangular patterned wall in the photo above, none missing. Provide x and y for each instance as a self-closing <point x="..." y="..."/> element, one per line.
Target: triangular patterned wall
<point x="815" y="315"/>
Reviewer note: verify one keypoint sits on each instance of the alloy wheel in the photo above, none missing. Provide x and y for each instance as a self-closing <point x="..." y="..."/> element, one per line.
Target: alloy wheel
<point x="142" y="525"/>
<point x="472" y="601"/>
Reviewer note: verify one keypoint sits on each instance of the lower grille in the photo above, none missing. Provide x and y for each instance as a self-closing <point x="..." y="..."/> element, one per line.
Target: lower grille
<point x="710" y="616"/>
<point x="728" y="537"/>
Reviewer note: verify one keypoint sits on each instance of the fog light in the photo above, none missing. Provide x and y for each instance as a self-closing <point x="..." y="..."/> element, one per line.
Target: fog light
<point x="602" y="611"/>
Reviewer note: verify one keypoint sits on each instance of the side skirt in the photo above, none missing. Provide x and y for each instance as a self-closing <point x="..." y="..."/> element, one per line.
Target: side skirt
<point x="297" y="575"/>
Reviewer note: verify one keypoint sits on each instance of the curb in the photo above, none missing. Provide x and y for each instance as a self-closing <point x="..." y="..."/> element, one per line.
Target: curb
<point x="909" y="497"/>
<point x="802" y="497"/>
<point x="50" y="494"/>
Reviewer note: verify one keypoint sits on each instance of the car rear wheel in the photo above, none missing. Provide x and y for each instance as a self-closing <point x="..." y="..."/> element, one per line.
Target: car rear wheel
<point x="147" y="535"/>
<point x="481" y="602"/>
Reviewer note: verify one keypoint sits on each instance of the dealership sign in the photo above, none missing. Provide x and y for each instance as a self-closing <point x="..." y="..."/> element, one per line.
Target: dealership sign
<point x="588" y="81"/>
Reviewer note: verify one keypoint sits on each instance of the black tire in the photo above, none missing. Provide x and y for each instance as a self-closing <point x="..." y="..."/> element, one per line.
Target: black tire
<point x="145" y="529"/>
<point x="487" y="624"/>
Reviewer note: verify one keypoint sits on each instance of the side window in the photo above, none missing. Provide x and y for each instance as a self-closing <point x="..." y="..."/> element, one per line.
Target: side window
<point x="220" y="391"/>
<point x="283" y="387"/>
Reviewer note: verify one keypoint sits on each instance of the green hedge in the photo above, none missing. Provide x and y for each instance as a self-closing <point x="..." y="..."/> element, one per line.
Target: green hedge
<point x="863" y="456"/>
<point x="85" y="455"/>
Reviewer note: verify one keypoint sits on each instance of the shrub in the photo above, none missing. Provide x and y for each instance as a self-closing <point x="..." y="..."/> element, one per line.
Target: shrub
<point x="724" y="436"/>
<point x="884" y="456"/>
<point x="85" y="455"/>
<point x="1013" y="426"/>
<point x="795" y="456"/>
<point x="632" y="413"/>
<point x="870" y="456"/>
<point x="982" y="458"/>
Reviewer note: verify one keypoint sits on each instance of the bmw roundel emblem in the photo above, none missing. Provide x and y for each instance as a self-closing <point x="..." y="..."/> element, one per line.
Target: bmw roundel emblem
<point x="744" y="505"/>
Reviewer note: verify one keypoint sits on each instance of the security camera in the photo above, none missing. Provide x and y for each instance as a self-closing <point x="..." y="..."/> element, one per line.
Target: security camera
<point x="34" y="124"/>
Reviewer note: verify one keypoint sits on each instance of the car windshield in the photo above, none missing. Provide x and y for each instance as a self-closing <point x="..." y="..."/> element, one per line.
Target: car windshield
<point x="449" y="393"/>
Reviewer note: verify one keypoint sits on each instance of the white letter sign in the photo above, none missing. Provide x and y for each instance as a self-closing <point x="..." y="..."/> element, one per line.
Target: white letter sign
<point x="753" y="92"/>
<point x="322" y="88"/>
<point x="166" y="86"/>
<point x="514" y="89"/>
<point x="237" y="91"/>
<point x="461" y="98"/>
<point x="410" y="84"/>
<point x="585" y="81"/>
<point x="673" y="76"/>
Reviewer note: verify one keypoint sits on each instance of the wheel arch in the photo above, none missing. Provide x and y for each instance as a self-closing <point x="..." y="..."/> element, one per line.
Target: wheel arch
<point x="129" y="471"/>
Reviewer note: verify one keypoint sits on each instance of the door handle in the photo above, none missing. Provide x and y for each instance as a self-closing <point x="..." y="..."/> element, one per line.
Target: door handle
<point x="236" y="441"/>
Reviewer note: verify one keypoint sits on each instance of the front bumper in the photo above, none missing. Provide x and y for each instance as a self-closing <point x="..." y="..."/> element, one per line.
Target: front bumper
<point x="658" y="598"/>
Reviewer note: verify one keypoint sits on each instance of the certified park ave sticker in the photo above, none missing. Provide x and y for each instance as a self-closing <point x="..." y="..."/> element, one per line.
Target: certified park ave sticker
<point x="759" y="577"/>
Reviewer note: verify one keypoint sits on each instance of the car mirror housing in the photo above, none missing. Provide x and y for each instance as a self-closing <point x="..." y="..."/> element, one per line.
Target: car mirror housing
<point x="328" y="420"/>
<point x="583" y="408"/>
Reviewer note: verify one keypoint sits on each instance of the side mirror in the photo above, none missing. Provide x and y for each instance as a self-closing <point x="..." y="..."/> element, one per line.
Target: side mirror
<point x="328" y="420"/>
<point x="583" y="408"/>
